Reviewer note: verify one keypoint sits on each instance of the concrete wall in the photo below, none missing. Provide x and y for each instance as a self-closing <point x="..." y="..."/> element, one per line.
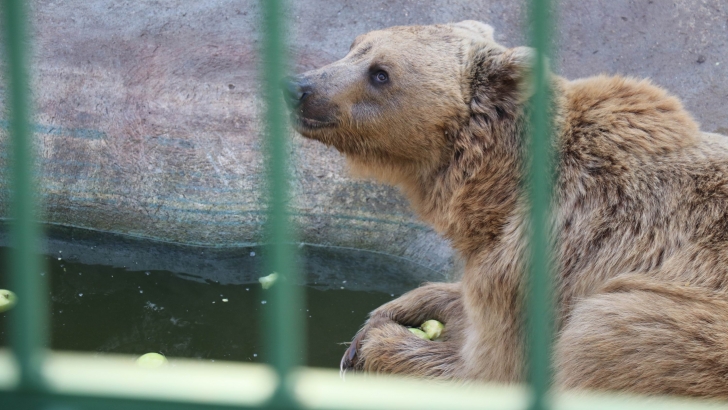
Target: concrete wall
<point x="148" y="122"/>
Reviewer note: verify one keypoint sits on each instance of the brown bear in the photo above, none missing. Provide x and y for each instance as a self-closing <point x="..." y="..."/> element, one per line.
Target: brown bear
<point x="640" y="212"/>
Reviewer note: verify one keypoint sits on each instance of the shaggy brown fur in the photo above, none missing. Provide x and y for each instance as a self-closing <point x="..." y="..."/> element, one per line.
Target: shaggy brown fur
<point x="640" y="212"/>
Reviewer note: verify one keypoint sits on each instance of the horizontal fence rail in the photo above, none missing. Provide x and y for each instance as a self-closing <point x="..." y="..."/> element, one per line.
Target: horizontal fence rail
<point x="110" y="382"/>
<point x="83" y="382"/>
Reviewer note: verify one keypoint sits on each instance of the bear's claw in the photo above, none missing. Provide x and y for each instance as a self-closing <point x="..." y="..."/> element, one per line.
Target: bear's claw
<point x="351" y="360"/>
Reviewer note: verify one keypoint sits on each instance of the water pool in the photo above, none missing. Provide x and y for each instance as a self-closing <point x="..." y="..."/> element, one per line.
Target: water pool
<point x="115" y="294"/>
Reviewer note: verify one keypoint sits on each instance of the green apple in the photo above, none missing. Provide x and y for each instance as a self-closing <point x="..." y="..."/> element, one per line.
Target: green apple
<point x="432" y="329"/>
<point x="7" y="300"/>
<point x="417" y="332"/>
<point x="268" y="281"/>
<point x="151" y="360"/>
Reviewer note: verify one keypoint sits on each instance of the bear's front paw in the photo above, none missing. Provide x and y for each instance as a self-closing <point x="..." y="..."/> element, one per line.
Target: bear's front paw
<point x="353" y="359"/>
<point x="385" y="346"/>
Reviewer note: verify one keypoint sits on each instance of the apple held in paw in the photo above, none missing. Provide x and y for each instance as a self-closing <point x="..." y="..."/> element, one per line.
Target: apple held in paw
<point x="430" y="330"/>
<point x="419" y="333"/>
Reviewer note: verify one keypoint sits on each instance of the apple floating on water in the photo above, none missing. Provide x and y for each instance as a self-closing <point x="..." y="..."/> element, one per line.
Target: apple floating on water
<point x="7" y="300"/>
<point x="151" y="360"/>
<point x="268" y="281"/>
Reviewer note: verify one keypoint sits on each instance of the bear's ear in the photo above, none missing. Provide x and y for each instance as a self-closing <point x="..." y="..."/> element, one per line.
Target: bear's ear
<point x="518" y="63"/>
<point x="481" y="28"/>
<point x="520" y="58"/>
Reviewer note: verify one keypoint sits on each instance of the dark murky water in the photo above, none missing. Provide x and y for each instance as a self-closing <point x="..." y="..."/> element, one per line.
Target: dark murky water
<point x="119" y="295"/>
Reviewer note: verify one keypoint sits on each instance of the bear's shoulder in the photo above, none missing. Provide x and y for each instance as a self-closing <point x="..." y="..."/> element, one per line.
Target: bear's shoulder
<point x="614" y="114"/>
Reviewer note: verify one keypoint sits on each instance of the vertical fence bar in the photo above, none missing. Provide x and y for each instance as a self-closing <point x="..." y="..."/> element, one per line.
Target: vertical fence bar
<point x="29" y="317"/>
<point x="284" y="317"/>
<point x="539" y="292"/>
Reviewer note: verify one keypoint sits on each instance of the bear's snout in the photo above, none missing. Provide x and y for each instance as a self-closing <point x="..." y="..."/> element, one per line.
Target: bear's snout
<point x="295" y="90"/>
<point x="310" y="109"/>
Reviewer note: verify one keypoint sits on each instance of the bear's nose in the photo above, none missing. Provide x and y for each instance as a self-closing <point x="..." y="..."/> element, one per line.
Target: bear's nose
<point x="295" y="91"/>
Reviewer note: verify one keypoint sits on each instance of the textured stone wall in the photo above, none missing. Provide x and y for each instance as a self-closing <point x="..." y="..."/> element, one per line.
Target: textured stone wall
<point x="148" y="122"/>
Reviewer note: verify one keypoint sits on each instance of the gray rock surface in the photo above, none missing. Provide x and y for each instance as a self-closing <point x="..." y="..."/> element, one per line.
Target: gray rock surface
<point x="148" y="122"/>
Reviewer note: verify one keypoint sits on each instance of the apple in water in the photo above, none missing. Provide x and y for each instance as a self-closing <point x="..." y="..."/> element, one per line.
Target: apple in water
<point x="151" y="360"/>
<point x="7" y="300"/>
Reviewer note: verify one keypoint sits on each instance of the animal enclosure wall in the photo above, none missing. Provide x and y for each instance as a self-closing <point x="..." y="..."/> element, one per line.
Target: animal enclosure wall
<point x="148" y="118"/>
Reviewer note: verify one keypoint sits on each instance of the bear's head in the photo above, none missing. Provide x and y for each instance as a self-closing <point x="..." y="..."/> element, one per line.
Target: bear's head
<point x="403" y="96"/>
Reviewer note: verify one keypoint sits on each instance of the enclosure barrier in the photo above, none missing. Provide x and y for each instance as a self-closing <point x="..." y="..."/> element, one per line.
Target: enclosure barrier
<point x="31" y="377"/>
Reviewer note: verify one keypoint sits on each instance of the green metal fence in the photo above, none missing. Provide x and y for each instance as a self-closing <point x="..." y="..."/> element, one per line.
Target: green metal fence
<point x="29" y="321"/>
<point x="33" y="378"/>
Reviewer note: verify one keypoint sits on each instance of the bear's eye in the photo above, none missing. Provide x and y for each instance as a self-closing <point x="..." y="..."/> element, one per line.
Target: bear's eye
<point x="380" y="77"/>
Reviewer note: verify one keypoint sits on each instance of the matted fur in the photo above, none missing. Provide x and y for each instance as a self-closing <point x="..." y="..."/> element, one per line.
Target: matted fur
<point x="640" y="213"/>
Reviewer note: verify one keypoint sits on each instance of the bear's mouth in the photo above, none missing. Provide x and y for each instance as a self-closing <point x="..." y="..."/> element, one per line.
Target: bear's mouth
<point x="301" y="123"/>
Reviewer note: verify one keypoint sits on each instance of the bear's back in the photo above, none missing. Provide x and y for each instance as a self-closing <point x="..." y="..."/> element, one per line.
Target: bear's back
<point x="642" y="189"/>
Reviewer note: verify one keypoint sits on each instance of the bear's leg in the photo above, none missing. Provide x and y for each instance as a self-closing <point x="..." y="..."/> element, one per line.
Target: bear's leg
<point x="384" y="345"/>
<point x="647" y="337"/>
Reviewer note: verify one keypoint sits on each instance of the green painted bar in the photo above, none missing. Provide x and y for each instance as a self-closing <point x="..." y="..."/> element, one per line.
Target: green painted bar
<point x="284" y="318"/>
<point x="29" y="318"/>
<point x="540" y="289"/>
